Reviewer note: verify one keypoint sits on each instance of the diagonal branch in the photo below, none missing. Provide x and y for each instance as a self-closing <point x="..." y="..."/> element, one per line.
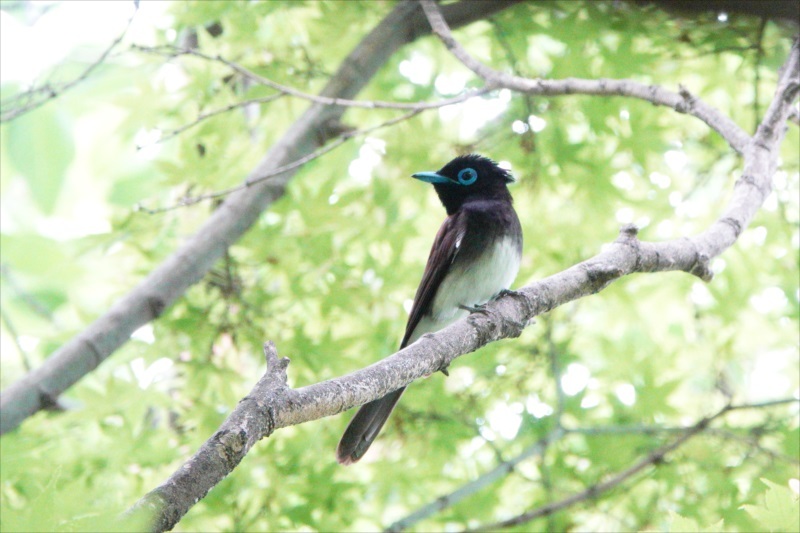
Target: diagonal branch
<point x="36" y="97"/>
<point x="172" y="51"/>
<point x="538" y="448"/>
<point x="654" y="458"/>
<point x="478" y="484"/>
<point x="189" y="263"/>
<point x="682" y="102"/>
<point x="272" y="405"/>
<point x="249" y="182"/>
<point x="222" y="110"/>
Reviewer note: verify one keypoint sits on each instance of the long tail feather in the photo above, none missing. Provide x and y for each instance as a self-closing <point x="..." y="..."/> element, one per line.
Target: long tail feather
<point x="364" y="427"/>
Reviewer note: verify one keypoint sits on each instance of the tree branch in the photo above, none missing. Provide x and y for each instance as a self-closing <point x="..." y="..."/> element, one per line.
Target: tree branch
<point x="654" y="458"/>
<point x="682" y="102"/>
<point x="252" y="420"/>
<point x="167" y="282"/>
<point x="484" y="480"/>
<point x="785" y="10"/>
<point x="272" y="405"/>
<point x="319" y="152"/>
<point x="538" y="448"/>
<point x="222" y="110"/>
<point x="794" y="116"/>
<point x="317" y="99"/>
<point x="36" y="97"/>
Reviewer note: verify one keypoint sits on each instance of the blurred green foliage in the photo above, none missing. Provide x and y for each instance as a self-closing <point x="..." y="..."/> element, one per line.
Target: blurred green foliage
<point x="326" y="271"/>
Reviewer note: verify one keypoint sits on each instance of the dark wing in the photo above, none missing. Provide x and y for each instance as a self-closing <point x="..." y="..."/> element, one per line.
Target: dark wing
<point x="371" y="417"/>
<point x="443" y="252"/>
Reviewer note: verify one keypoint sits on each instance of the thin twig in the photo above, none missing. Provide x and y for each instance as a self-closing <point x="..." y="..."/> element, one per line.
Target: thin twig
<point x="683" y="102"/>
<point x="794" y="116"/>
<point x="538" y="449"/>
<point x="654" y="458"/>
<point x="37" y="96"/>
<point x="468" y="489"/>
<point x="555" y="370"/>
<point x="15" y="337"/>
<point x="759" y="46"/>
<point x="208" y="114"/>
<point x="33" y="303"/>
<point x="338" y="141"/>
<point x="171" y="51"/>
<point x="655" y="430"/>
<point x="558" y="415"/>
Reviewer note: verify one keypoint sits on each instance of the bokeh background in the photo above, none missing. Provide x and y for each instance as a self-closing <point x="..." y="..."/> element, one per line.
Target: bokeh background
<point x="329" y="270"/>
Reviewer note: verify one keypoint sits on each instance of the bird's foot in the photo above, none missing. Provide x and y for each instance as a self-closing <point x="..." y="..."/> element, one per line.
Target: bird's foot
<point x="444" y="370"/>
<point x="481" y="308"/>
<point x="508" y="292"/>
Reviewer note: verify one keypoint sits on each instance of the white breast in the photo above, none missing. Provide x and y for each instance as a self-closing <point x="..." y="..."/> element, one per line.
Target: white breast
<point x="471" y="285"/>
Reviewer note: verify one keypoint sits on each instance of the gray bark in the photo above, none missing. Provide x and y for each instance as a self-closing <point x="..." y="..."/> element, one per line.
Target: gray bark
<point x="82" y="354"/>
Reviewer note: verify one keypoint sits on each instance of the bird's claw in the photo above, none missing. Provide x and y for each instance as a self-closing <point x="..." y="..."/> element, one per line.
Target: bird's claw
<point x="474" y="308"/>
<point x="508" y="292"/>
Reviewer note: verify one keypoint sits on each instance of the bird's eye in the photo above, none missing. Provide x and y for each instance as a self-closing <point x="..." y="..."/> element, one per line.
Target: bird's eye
<point x="467" y="176"/>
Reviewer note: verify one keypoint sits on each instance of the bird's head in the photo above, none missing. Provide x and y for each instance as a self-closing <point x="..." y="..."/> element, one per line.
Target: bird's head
<point x="468" y="177"/>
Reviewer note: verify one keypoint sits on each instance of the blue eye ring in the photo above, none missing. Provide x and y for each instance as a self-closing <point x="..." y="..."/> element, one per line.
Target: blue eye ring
<point x="467" y="176"/>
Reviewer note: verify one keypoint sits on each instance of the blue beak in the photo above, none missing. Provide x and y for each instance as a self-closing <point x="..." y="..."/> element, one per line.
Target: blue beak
<point x="431" y="177"/>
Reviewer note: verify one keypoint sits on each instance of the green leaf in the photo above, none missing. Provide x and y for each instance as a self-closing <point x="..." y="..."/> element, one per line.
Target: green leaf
<point x="682" y="524"/>
<point x="17" y="252"/>
<point x="131" y="189"/>
<point x="780" y="511"/>
<point x="41" y="148"/>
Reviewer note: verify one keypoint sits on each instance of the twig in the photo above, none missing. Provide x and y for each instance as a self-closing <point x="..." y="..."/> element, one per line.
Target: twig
<point x="558" y="415"/>
<point x="654" y="458"/>
<point x="338" y="141"/>
<point x="555" y="371"/>
<point x="794" y="116"/>
<point x="759" y="46"/>
<point x="468" y="489"/>
<point x="655" y="430"/>
<point x="502" y="318"/>
<point x="36" y="306"/>
<point x="172" y="51"/>
<point x="208" y="114"/>
<point x="752" y="442"/>
<point x="38" y="96"/>
<point x="15" y="337"/>
<point x="682" y="102"/>
<point x="538" y="449"/>
<point x="285" y="90"/>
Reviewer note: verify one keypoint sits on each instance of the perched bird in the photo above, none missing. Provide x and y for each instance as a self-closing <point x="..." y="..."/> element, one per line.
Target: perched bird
<point x="474" y="257"/>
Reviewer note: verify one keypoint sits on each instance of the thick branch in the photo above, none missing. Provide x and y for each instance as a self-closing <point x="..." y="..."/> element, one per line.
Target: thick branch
<point x="271" y="405"/>
<point x="252" y="420"/>
<point x="197" y="255"/>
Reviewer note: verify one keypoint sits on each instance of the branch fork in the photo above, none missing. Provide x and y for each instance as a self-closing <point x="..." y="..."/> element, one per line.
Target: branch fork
<point x="280" y="406"/>
<point x="276" y="404"/>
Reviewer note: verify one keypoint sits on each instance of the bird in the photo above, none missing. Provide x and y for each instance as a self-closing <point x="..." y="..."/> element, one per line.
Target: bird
<point x="475" y="257"/>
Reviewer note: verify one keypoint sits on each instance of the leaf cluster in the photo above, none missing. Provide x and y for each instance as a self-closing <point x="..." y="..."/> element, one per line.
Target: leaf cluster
<point x="329" y="269"/>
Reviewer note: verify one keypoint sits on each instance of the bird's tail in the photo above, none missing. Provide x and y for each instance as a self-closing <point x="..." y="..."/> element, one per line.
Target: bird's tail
<point x="364" y="427"/>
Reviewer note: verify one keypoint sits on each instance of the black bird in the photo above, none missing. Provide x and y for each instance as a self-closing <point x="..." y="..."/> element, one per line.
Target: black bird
<point x="474" y="257"/>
